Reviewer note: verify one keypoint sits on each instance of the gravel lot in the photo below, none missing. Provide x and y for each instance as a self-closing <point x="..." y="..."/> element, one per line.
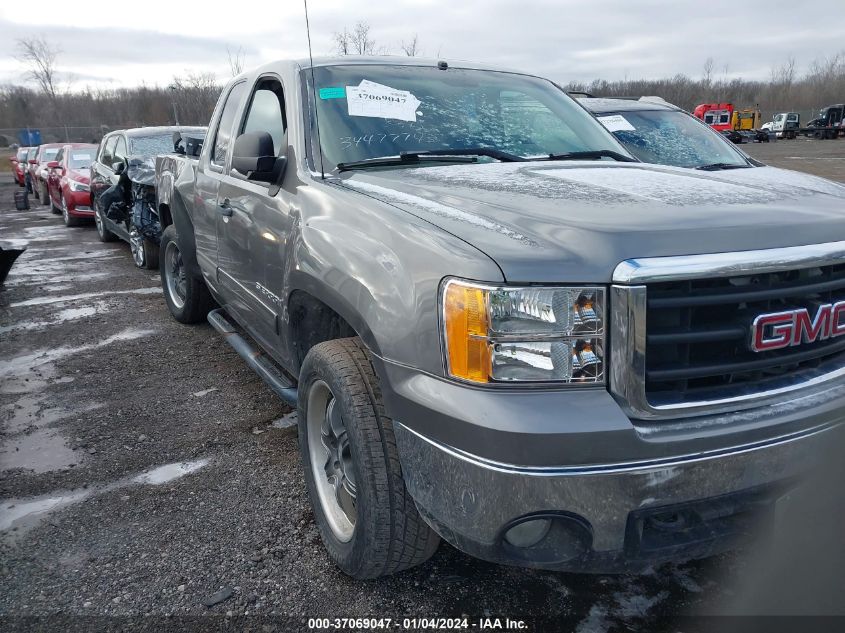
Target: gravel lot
<point x="144" y="468"/>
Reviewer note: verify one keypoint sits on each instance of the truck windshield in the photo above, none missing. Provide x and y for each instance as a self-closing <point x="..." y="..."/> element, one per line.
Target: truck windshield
<point x="372" y="111"/>
<point x="667" y="137"/>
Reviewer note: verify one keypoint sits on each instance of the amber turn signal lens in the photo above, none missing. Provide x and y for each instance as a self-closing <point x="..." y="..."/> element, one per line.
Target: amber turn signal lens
<point x="466" y="324"/>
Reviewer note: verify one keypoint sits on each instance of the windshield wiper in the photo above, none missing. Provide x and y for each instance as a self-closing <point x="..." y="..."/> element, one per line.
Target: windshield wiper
<point x="402" y="159"/>
<point x="593" y="155"/>
<point x="461" y="155"/>
<point x="718" y="166"/>
<point x="505" y="157"/>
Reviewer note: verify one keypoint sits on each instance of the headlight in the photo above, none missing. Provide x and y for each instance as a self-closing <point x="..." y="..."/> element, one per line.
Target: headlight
<point x="532" y="334"/>
<point x="75" y="185"/>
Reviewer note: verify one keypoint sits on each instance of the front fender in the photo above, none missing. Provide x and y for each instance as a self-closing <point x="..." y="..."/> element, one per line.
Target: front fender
<point x="379" y="268"/>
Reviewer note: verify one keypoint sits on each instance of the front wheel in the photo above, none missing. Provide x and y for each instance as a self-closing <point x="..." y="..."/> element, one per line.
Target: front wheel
<point x="102" y="230"/>
<point x="54" y="208"/>
<point x="44" y="195"/>
<point x="66" y="216"/>
<point x="366" y="517"/>
<point x="186" y="296"/>
<point x="145" y="253"/>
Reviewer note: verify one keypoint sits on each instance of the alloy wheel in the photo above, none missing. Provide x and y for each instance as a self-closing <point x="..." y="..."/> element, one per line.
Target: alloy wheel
<point x="174" y="274"/>
<point x="136" y="245"/>
<point x="98" y="220"/>
<point x="331" y="461"/>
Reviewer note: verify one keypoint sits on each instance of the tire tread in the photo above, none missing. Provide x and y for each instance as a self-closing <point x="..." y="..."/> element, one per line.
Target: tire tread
<point x="400" y="538"/>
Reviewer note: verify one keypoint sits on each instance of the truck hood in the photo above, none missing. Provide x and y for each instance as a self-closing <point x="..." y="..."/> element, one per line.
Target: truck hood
<point x="575" y="221"/>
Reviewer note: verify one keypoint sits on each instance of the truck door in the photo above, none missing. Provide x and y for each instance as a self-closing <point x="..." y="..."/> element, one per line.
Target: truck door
<point x="210" y="170"/>
<point x="253" y="232"/>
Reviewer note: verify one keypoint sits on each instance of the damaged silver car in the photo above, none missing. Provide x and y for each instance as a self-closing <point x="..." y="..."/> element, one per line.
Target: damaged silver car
<point x="123" y="185"/>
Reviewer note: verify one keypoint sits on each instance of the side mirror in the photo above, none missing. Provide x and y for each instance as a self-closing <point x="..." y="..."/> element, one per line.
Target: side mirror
<point x="32" y="161"/>
<point x="118" y="168"/>
<point x="52" y="164"/>
<point x="253" y="155"/>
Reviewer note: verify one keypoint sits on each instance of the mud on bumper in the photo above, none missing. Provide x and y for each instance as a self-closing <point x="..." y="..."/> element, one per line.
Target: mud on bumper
<point x="608" y="518"/>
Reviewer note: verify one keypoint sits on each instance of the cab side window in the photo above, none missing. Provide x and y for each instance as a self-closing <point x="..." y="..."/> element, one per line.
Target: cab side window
<point x="267" y="113"/>
<point x="223" y="138"/>
<point x="60" y="156"/>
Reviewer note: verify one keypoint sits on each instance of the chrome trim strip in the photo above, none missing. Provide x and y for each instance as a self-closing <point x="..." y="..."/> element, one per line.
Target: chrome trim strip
<point x="622" y="467"/>
<point x="654" y="269"/>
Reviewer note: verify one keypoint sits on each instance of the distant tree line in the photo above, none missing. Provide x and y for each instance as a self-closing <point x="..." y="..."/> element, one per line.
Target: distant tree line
<point x="784" y="91"/>
<point x="84" y="115"/>
<point x="91" y="112"/>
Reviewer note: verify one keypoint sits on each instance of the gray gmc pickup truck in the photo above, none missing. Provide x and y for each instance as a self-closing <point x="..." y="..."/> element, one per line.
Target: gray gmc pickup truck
<point x="500" y="329"/>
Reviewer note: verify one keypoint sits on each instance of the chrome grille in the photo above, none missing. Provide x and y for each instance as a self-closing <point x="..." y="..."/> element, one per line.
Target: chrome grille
<point x="681" y="329"/>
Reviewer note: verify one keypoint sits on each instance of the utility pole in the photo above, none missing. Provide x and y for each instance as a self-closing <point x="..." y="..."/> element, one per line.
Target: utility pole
<point x="173" y="88"/>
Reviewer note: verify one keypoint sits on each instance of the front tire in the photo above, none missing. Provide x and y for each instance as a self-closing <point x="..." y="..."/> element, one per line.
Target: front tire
<point x="69" y="220"/>
<point x="145" y="253"/>
<point x="44" y="195"/>
<point x="102" y="230"/>
<point x="54" y="208"/>
<point x="186" y="296"/>
<point x="366" y="517"/>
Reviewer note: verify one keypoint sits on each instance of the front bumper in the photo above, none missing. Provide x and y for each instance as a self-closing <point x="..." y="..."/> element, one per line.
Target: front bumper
<point x="621" y="496"/>
<point x="78" y="203"/>
<point x="613" y="518"/>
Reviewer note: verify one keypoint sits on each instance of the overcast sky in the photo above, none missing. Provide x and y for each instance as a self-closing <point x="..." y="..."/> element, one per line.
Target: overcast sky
<point x="124" y="43"/>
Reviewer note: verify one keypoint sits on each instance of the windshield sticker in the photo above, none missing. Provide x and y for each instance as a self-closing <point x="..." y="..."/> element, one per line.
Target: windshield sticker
<point x="383" y="102"/>
<point x="335" y="92"/>
<point x="616" y="123"/>
<point x="80" y="156"/>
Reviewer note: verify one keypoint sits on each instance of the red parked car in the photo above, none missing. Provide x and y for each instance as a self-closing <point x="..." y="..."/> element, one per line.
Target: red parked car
<point x="38" y="169"/>
<point x="68" y="182"/>
<point x="19" y="165"/>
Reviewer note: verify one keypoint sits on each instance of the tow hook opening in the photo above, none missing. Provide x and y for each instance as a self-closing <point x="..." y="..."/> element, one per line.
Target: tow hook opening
<point x="547" y="538"/>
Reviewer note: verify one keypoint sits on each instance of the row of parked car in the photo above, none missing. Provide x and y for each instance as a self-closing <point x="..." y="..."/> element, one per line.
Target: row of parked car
<point x="112" y="183"/>
<point x="57" y="175"/>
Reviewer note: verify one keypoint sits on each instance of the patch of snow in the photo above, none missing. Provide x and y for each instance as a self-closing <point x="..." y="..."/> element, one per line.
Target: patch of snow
<point x="392" y="196"/>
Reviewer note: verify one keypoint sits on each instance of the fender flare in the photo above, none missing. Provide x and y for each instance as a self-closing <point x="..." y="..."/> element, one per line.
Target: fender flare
<point x="185" y="231"/>
<point x="303" y="282"/>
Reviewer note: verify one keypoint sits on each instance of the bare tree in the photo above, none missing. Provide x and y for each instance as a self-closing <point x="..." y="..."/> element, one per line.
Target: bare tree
<point x="40" y="58"/>
<point x="411" y="48"/>
<point x="361" y="42"/>
<point x="784" y="74"/>
<point x="707" y="78"/>
<point x="236" y="60"/>
<point x="354" y="42"/>
<point x="342" y="44"/>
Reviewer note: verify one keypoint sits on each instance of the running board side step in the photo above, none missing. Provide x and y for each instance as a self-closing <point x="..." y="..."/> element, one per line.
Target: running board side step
<point x="257" y="361"/>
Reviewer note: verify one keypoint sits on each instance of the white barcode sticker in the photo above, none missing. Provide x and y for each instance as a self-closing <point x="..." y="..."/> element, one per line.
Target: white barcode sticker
<point x="371" y="99"/>
<point x="616" y="123"/>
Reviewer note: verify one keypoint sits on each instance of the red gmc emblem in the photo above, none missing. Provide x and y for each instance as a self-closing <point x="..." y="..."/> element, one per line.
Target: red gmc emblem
<point x="794" y="327"/>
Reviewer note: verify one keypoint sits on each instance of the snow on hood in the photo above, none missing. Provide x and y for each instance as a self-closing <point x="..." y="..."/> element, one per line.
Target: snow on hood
<point x="577" y="220"/>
